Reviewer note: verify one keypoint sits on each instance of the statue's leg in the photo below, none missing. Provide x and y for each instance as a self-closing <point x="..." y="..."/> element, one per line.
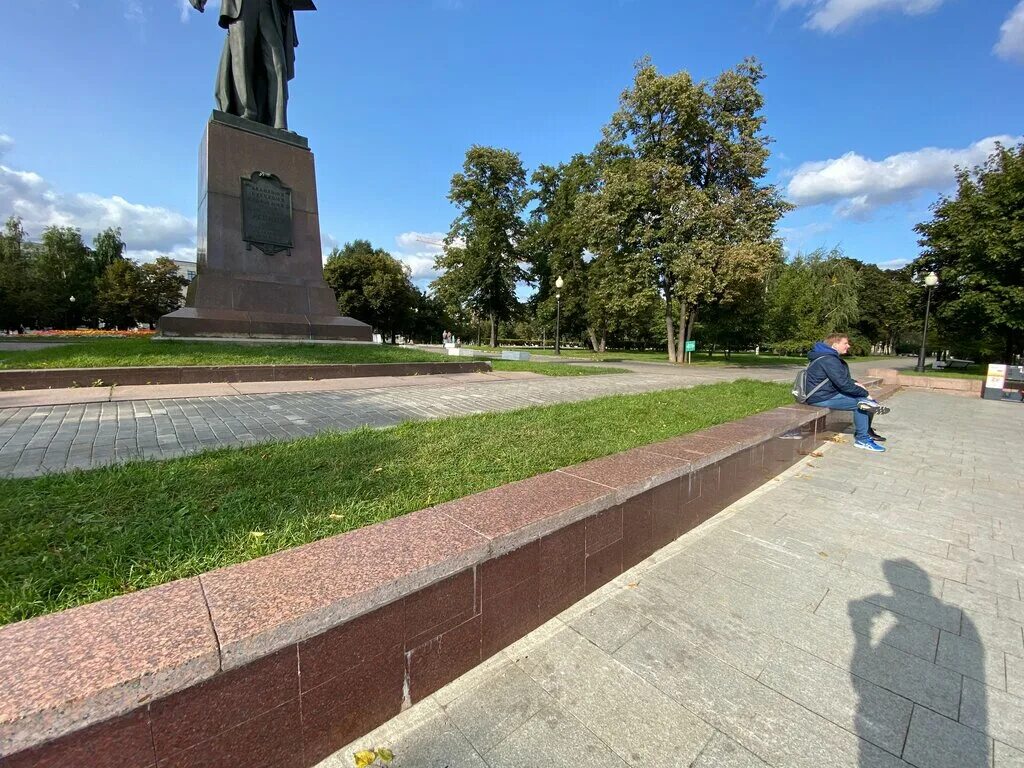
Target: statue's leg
<point x="271" y="44"/>
<point x="241" y="39"/>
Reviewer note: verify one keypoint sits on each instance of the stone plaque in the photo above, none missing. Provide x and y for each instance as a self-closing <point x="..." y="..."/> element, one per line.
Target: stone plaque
<point x="267" y="213"/>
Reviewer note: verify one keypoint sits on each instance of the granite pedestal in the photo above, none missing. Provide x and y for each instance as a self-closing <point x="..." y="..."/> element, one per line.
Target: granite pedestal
<point x="258" y="289"/>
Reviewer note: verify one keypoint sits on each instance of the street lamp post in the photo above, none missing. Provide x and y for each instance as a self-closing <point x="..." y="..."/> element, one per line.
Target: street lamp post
<point x="931" y="281"/>
<point x="558" y="314"/>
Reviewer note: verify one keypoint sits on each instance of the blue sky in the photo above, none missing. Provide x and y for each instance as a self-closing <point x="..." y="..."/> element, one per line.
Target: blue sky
<point x="871" y="104"/>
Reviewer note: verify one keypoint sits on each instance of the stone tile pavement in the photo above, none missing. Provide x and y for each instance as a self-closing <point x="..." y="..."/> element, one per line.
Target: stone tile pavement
<point x="860" y="610"/>
<point x="55" y="438"/>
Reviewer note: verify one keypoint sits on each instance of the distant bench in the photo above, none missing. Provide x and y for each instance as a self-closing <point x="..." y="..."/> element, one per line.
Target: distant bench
<point x="952" y="363"/>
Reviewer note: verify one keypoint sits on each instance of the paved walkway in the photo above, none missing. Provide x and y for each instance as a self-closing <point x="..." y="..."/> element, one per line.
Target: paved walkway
<point x="122" y="427"/>
<point x="862" y="610"/>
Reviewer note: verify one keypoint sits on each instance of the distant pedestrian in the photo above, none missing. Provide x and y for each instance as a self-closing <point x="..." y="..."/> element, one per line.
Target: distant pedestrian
<point x="829" y="381"/>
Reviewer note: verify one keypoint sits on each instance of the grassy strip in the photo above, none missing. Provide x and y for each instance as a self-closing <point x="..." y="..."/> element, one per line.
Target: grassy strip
<point x="970" y="372"/>
<point x="747" y="359"/>
<point x="554" y="369"/>
<point x="75" y="538"/>
<point x="119" y="353"/>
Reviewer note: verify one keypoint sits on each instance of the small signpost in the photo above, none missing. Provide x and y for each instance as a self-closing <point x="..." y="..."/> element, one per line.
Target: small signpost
<point x="691" y="346"/>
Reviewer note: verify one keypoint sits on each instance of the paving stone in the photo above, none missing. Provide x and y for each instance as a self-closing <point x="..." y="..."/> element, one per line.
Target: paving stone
<point x="723" y="752"/>
<point x="489" y="715"/>
<point x="971" y="658"/>
<point x="609" y="625"/>
<point x="1014" y="674"/>
<point x="935" y="741"/>
<point x="638" y="722"/>
<point x="554" y="739"/>
<point x="995" y="712"/>
<point x="859" y="706"/>
<point x="1008" y="757"/>
<point x="914" y="637"/>
<point x="774" y="728"/>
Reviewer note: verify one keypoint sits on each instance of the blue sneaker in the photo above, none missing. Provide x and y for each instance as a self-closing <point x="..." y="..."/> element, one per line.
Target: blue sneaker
<point x="868" y="445"/>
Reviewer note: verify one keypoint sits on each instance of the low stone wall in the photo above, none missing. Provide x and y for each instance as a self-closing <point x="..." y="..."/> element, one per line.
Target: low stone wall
<point x="948" y="386"/>
<point x="282" y="660"/>
<point x="62" y="378"/>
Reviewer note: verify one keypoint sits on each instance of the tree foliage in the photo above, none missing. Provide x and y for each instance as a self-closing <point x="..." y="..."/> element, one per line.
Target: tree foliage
<point x="975" y="243"/>
<point x="681" y="163"/>
<point x="372" y="286"/>
<point x="481" y="260"/>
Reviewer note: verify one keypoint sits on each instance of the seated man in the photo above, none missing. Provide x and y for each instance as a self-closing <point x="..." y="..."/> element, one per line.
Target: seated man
<point x="835" y="388"/>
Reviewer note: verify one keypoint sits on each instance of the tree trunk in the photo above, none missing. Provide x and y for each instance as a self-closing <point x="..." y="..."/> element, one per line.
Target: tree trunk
<point x="670" y="335"/>
<point x="681" y="348"/>
<point x="494" y="331"/>
<point x="689" y="323"/>
<point x="604" y="338"/>
<point x="593" y="339"/>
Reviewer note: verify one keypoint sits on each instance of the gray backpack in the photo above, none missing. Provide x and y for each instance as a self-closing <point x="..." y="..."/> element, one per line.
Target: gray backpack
<point x="800" y="383"/>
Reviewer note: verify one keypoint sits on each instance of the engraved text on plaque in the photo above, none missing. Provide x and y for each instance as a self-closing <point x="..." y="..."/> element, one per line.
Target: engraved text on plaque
<point x="267" y="213"/>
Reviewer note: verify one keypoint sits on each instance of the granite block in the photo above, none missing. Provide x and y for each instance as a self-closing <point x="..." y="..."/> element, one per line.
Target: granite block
<point x="265" y="604"/>
<point x="199" y="713"/>
<point x="520" y="512"/>
<point x="69" y="670"/>
<point x="603" y="529"/>
<point x="439" y="660"/>
<point x="435" y="609"/>
<point x="509" y="616"/>
<point x="604" y="565"/>
<point x="562" y="570"/>
<point x="630" y="472"/>
<point x="505" y="571"/>
<point x="273" y="738"/>
<point x="637" y="530"/>
<point x="666" y="511"/>
<point x="351" y="645"/>
<point x="124" y="742"/>
<point x="345" y="708"/>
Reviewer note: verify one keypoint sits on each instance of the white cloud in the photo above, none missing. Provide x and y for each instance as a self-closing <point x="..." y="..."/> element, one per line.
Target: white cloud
<point x="893" y="263"/>
<point x="1011" y="36"/>
<point x="859" y="185"/>
<point x="418" y="250"/>
<point x="831" y="15"/>
<point x="179" y="253"/>
<point x="184" y="11"/>
<point x="143" y="227"/>
<point x="432" y="242"/>
<point x="6" y="144"/>
<point x="133" y="10"/>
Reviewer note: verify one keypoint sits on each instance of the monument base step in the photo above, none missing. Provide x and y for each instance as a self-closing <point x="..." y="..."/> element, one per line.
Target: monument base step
<point x="230" y="323"/>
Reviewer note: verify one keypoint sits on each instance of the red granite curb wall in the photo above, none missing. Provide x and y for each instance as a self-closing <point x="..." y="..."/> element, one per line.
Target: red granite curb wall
<point x="292" y="656"/>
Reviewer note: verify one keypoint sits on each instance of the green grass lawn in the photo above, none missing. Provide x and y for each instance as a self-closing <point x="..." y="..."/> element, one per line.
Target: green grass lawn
<point x="75" y="538"/>
<point x="970" y="372"/>
<point x="554" y="369"/>
<point x="697" y="358"/>
<point x="100" y="353"/>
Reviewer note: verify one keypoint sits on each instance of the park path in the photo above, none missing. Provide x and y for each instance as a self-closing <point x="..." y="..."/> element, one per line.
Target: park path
<point x="39" y="439"/>
<point x="859" y="610"/>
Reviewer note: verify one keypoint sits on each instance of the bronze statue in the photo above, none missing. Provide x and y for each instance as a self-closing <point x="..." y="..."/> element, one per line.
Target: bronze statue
<point x="258" y="58"/>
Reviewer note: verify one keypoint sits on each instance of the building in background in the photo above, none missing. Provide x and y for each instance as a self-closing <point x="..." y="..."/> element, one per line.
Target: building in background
<point x="186" y="269"/>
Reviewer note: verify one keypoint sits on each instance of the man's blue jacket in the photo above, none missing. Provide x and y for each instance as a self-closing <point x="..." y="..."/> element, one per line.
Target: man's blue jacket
<point x="833" y="368"/>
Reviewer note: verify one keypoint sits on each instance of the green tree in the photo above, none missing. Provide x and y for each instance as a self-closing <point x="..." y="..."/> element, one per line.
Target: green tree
<point x="15" y="270"/>
<point x="975" y="243"/>
<point x="555" y="244"/>
<point x="64" y="269"/>
<point x="162" y="289"/>
<point x="679" y="188"/>
<point x="482" y="250"/>
<point x="372" y="286"/>
<point x="120" y="294"/>
<point x="809" y="297"/>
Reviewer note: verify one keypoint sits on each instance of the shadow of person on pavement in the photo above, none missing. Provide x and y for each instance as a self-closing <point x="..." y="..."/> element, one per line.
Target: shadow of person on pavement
<point x="878" y="724"/>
